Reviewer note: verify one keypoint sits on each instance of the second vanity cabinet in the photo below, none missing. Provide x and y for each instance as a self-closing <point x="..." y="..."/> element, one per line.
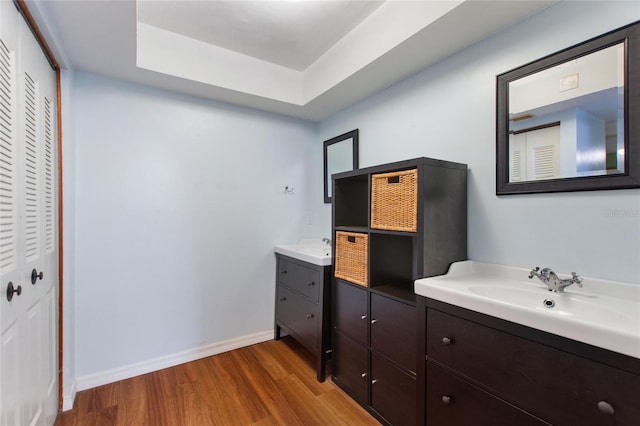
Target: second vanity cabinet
<point x="302" y="306"/>
<point x="486" y="371"/>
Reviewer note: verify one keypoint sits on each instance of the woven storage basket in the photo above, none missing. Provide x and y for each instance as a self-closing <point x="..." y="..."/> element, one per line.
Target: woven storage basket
<point x="352" y="251"/>
<point x="394" y="201"/>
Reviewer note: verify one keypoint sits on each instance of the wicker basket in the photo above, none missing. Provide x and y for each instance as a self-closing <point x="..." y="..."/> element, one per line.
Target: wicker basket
<point x="352" y="251"/>
<point x="394" y="201"/>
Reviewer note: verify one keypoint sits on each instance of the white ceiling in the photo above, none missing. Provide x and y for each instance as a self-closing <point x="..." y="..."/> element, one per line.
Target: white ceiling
<point x="306" y="59"/>
<point x="289" y="33"/>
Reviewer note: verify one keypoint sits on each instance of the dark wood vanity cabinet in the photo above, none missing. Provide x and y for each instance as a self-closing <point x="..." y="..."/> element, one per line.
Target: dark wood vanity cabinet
<point x="377" y="326"/>
<point x="302" y="306"/>
<point x="483" y="370"/>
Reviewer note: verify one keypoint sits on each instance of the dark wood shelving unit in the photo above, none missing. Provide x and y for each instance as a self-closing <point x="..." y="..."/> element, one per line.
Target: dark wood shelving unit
<point x="378" y="332"/>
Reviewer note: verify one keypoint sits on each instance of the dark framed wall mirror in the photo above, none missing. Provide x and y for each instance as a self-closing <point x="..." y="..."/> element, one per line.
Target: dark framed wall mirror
<point x="340" y="155"/>
<point x="571" y="121"/>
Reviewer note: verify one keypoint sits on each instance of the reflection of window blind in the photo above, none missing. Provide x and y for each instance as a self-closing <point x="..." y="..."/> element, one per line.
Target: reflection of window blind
<point x="544" y="162"/>
<point x="516" y="168"/>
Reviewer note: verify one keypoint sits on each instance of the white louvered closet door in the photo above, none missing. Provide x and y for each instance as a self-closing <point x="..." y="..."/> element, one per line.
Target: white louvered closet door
<point x="28" y="356"/>
<point x="543" y="153"/>
<point x="534" y="155"/>
<point x="11" y="313"/>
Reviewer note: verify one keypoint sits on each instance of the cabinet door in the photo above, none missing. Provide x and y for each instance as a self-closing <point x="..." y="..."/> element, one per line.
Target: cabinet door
<point x="350" y="310"/>
<point x="394" y="328"/>
<point x="350" y="366"/>
<point x="553" y="385"/>
<point x="452" y="401"/>
<point x="305" y="281"/>
<point x="299" y="316"/>
<point x="393" y="392"/>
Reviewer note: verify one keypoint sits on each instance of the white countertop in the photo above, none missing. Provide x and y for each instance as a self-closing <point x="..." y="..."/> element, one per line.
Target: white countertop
<point x="602" y="313"/>
<point x="312" y="250"/>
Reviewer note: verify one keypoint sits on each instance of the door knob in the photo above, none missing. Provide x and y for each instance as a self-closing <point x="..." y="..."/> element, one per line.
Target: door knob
<point x="35" y="276"/>
<point x="11" y="290"/>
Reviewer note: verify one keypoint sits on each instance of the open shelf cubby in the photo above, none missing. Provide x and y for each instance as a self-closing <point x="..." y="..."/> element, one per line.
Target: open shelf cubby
<point x="351" y="202"/>
<point x="391" y="260"/>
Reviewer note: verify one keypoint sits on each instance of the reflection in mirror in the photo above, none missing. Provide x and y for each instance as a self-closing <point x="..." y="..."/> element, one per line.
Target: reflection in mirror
<point x="568" y="120"/>
<point x="340" y="155"/>
<point x="571" y="120"/>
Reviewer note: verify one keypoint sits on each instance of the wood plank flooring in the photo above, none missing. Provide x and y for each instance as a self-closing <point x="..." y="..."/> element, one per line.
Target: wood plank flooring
<point x="271" y="383"/>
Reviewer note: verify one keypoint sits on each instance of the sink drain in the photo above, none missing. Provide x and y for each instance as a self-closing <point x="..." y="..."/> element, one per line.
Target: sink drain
<point x="548" y="303"/>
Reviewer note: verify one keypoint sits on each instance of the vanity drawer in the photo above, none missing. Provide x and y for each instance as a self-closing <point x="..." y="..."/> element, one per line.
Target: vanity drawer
<point x="305" y="281"/>
<point x="350" y="366"/>
<point x="394" y="330"/>
<point x="299" y="316"/>
<point x="452" y="401"/>
<point x="350" y="311"/>
<point x="559" y="387"/>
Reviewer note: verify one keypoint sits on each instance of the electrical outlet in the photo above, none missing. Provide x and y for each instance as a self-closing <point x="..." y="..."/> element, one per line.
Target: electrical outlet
<point x="308" y="217"/>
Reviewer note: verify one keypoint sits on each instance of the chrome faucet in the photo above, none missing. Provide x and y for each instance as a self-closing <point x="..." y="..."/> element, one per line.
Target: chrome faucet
<point x="551" y="279"/>
<point x="327" y="241"/>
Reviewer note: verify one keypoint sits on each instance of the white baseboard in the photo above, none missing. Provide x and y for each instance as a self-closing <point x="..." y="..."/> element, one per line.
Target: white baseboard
<point x="69" y="398"/>
<point x="102" y="378"/>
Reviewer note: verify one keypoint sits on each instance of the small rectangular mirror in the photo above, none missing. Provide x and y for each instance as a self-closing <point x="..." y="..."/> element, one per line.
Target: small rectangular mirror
<point x="340" y="155"/>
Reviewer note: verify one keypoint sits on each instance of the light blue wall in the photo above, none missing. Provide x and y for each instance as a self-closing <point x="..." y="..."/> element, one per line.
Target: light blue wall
<point x="448" y="112"/>
<point x="178" y="202"/>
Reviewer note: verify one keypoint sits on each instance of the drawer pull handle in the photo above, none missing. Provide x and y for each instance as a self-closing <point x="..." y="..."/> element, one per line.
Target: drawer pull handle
<point x="606" y="408"/>
<point x="363" y="317"/>
<point x="363" y="375"/>
<point x="309" y="316"/>
<point x="447" y="341"/>
<point x="283" y="299"/>
<point x="373" y="321"/>
<point x="283" y="272"/>
<point x="446" y="399"/>
<point x="311" y="284"/>
<point x="374" y="381"/>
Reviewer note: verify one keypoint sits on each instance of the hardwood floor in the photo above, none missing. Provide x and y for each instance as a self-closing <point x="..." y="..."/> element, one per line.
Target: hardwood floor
<point x="271" y="383"/>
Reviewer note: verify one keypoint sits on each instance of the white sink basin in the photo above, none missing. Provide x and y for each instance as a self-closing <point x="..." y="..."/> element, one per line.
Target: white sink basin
<point x="312" y="250"/>
<point x="602" y="313"/>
